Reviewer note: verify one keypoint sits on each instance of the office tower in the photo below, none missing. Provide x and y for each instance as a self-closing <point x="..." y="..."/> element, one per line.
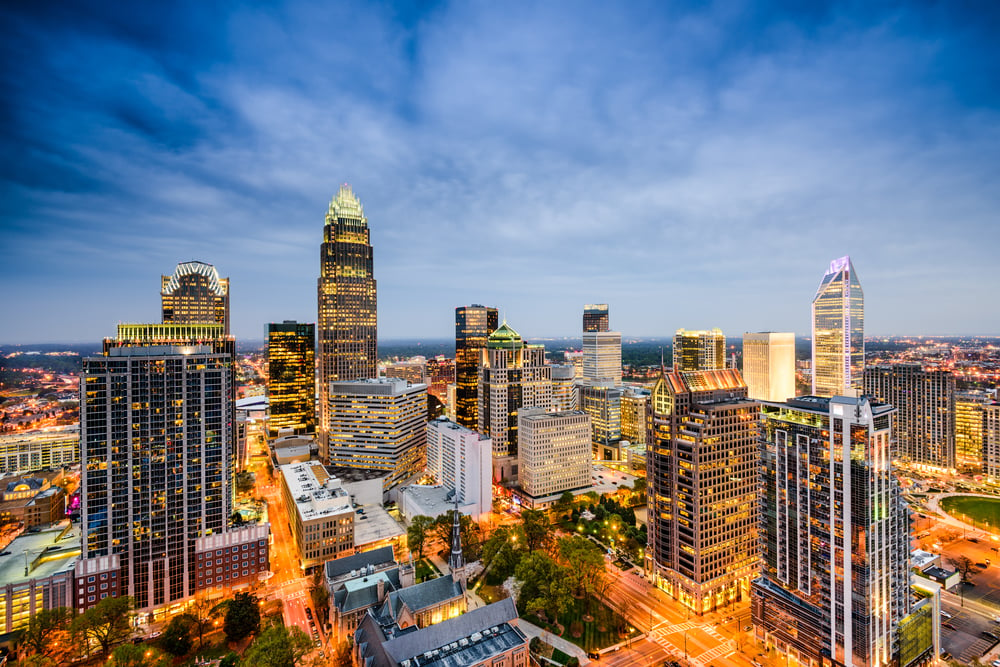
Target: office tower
<point x="473" y="325"/>
<point x="575" y="359"/>
<point x="603" y="403"/>
<point x="440" y="374"/>
<point x="563" y="387"/>
<point x="462" y="460"/>
<point x="699" y="350"/>
<point x="634" y="403"/>
<point x="157" y="459"/>
<point x="291" y="377"/>
<point x="769" y="365"/>
<point x="348" y="345"/>
<point x="969" y="428"/>
<point x="834" y="533"/>
<point x="195" y="294"/>
<point x="381" y="424"/>
<point x="595" y="317"/>
<point x="553" y="452"/>
<point x="512" y="375"/>
<point x="602" y="357"/>
<point x="701" y="470"/>
<point x="838" y="335"/>
<point x="925" y="411"/>
<point x="991" y="442"/>
<point x="413" y="370"/>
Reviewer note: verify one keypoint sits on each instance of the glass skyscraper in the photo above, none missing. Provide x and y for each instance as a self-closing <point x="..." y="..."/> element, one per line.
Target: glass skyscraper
<point x="195" y="294"/>
<point x="473" y="325"/>
<point x="699" y="350"/>
<point x="291" y="376"/>
<point x="348" y="342"/>
<point x="838" y="334"/>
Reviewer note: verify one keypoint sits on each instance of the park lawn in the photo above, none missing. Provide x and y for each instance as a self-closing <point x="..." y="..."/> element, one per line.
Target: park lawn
<point x="592" y="638"/>
<point x="425" y="570"/>
<point x="981" y="512"/>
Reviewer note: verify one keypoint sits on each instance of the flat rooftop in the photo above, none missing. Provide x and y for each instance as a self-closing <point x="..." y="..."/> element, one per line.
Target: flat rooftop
<point x="315" y="492"/>
<point x="434" y="500"/>
<point x="373" y="525"/>
<point x="50" y="551"/>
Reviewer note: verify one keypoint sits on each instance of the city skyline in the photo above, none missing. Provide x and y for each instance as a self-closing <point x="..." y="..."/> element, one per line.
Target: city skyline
<point x="489" y="143"/>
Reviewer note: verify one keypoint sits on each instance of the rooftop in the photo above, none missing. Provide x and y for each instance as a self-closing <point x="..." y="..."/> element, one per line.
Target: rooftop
<point x="42" y="554"/>
<point x="316" y="493"/>
<point x="434" y="500"/>
<point x="375" y="525"/>
<point x="340" y="566"/>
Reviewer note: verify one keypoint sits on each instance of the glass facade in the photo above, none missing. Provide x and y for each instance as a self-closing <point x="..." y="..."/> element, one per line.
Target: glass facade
<point x="195" y="293"/>
<point x="969" y="428"/>
<point x="473" y="325"/>
<point x="595" y="317"/>
<point x="348" y="339"/>
<point x="291" y="377"/>
<point x="838" y="334"/>
<point x="699" y="350"/>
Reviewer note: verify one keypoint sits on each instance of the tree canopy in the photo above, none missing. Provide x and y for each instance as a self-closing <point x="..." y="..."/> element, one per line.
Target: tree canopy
<point x="278" y="646"/>
<point x="106" y="623"/>
<point x="242" y="616"/>
<point x="416" y="534"/>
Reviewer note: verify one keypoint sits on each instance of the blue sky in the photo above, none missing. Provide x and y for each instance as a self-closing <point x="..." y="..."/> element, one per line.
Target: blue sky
<point x="692" y="167"/>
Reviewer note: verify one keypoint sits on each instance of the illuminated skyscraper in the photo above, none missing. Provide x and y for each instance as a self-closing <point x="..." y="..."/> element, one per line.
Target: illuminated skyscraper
<point x="602" y="401"/>
<point x="838" y="335"/>
<point x="991" y="442"/>
<point x="634" y="405"/>
<point x="553" y="451"/>
<point x="563" y="387"/>
<point x="195" y="294"/>
<point x="769" y="365"/>
<point x="595" y="317"/>
<point x="291" y="377"/>
<point x="835" y="537"/>
<point x="701" y="471"/>
<point x="699" y="350"/>
<point x="348" y="340"/>
<point x="473" y="325"/>
<point x="969" y="428"/>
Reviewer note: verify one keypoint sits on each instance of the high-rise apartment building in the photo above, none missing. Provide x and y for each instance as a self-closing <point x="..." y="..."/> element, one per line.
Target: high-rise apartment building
<point x="924" y="432"/>
<point x="563" y="387"/>
<point x="291" y="377"/>
<point x="462" y="460"/>
<point x="473" y="325"/>
<point x="769" y="365"/>
<point x="347" y="326"/>
<point x="838" y="331"/>
<point x="603" y="403"/>
<point x="553" y="451"/>
<point x="991" y="442"/>
<point x="834" y="532"/>
<point x="195" y="294"/>
<point x="381" y="424"/>
<point x="969" y="428"/>
<point x="699" y="350"/>
<point x="701" y="471"/>
<point x="595" y="317"/>
<point x="157" y="459"/>
<point x="512" y="375"/>
<point x="634" y="404"/>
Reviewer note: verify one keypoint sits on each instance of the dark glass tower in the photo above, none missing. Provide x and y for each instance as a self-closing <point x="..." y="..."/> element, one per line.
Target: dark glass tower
<point x="595" y="317"/>
<point x="291" y="376"/>
<point x="195" y="294"/>
<point x="348" y="343"/>
<point x="473" y="325"/>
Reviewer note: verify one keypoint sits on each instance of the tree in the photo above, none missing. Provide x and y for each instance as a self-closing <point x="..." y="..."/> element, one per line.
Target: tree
<point x="320" y="596"/>
<point x="964" y="566"/>
<point x="135" y="655"/>
<point x="278" y="646"/>
<point x="564" y="503"/>
<point x="544" y="587"/>
<point x="106" y="623"/>
<point x="416" y="534"/>
<point x="244" y="481"/>
<point x="46" y="632"/>
<point x="502" y="552"/>
<point x="583" y="563"/>
<point x="471" y="541"/>
<point x="176" y="639"/>
<point x="537" y="529"/>
<point x="242" y="617"/>
<point x="202" y="613"/>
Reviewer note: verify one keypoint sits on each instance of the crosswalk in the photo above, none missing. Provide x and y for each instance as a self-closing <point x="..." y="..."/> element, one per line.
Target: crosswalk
<point x="725" y="648"/>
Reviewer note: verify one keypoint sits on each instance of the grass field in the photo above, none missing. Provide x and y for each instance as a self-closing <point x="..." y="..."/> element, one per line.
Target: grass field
<point x="984" y="513"/>
<point x="592" y="637"/>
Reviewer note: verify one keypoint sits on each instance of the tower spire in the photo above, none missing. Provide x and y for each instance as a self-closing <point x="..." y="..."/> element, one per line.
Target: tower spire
<point x="455" y="561"/>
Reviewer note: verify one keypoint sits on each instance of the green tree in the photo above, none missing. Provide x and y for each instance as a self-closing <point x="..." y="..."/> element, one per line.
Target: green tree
<point x="136" y="655"/>
<point x="242" y="617"/>
<point x="543" y="586"/>
<point x="278" y="646"/>
<point x="583" y="564"/>
<point x="537" y="529"/>
<point x="320" y="596"/>
<point x="202" y="614"/>
<point x="416" y="534"/>
<point x="106" y="623"/>
<point x="244" y="481"/>
<point x="471" y="540"/>
<point x="46" y="632"/>
<point x="176" y="639"/>
<point x="564" y="503"/>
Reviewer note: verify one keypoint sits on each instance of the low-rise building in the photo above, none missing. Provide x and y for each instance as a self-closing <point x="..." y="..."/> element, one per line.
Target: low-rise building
<point x="32" y="499"/>
<point x="27" y="452"/>
<point x="323" y="518"/>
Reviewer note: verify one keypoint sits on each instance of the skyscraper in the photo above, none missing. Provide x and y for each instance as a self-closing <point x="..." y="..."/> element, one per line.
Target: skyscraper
<point x="699" y="350"/>
<point x="603" y="403"/>
<point x="924" y="424"/>
<point x="991" y="442"/>
<point x="769" y="365"/>
<point x="291" y="376"/>
<point x="348" y="340"/>
<point x="969" y="428"/>
<point x="462" y="460"/>
<point x="838" y="335"/>
<point x="473" y="325"/>
<point x="834" y="533"/>
<point x="195" y="294"/>
<point x="595" y="317"/>
<point x="512" y="375"/>
<point x="701" y="470"/>
<point x="553" y="451"/>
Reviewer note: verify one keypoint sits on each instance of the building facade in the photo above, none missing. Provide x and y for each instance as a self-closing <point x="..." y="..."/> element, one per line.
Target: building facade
<point x="25" y="452"/>
<point x="346" y="295"/>
<point x="924" y="424"/>
<point x="991" y="442"/>
<point x="553" y="451"/>
<point x="320" y="513"/>
<point x="969" y="428"/>
<point x="563" y="387"/>
<point x="195" y="294"/>
<point x="291" y="377"/>
<point x="634" y="404"/>
<point x="462" y="459"/>
<point x="512" y="375"/>
<point x="595" y="317"/>
<point x="838" y="331"/>
<point x="769" y="365"/>
<point x="699" y="350"/>
<point x="473" y="325"/>
<point x="379" y="424"/>
<point x="701" y="470"/>
<point x="602" y="357"/>
<point x="834" y="533"/>
<point x="603" y="403"/>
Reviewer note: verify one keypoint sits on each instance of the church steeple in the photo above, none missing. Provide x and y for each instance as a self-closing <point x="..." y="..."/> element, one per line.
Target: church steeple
<point x="455" y="561"/>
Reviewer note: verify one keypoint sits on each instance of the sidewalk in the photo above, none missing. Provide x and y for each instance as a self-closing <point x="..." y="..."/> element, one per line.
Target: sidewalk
<point x="569" y="648"/>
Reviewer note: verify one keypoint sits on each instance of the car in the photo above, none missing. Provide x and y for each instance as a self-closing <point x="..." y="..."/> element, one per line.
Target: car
<point x="593" y="655"/>
<point x="948" y="625"/>
<point x="986" y="634"/>
<point x="974" y="539"/>
<point x="995" y="663"/>
<point x="945" y="614"/>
